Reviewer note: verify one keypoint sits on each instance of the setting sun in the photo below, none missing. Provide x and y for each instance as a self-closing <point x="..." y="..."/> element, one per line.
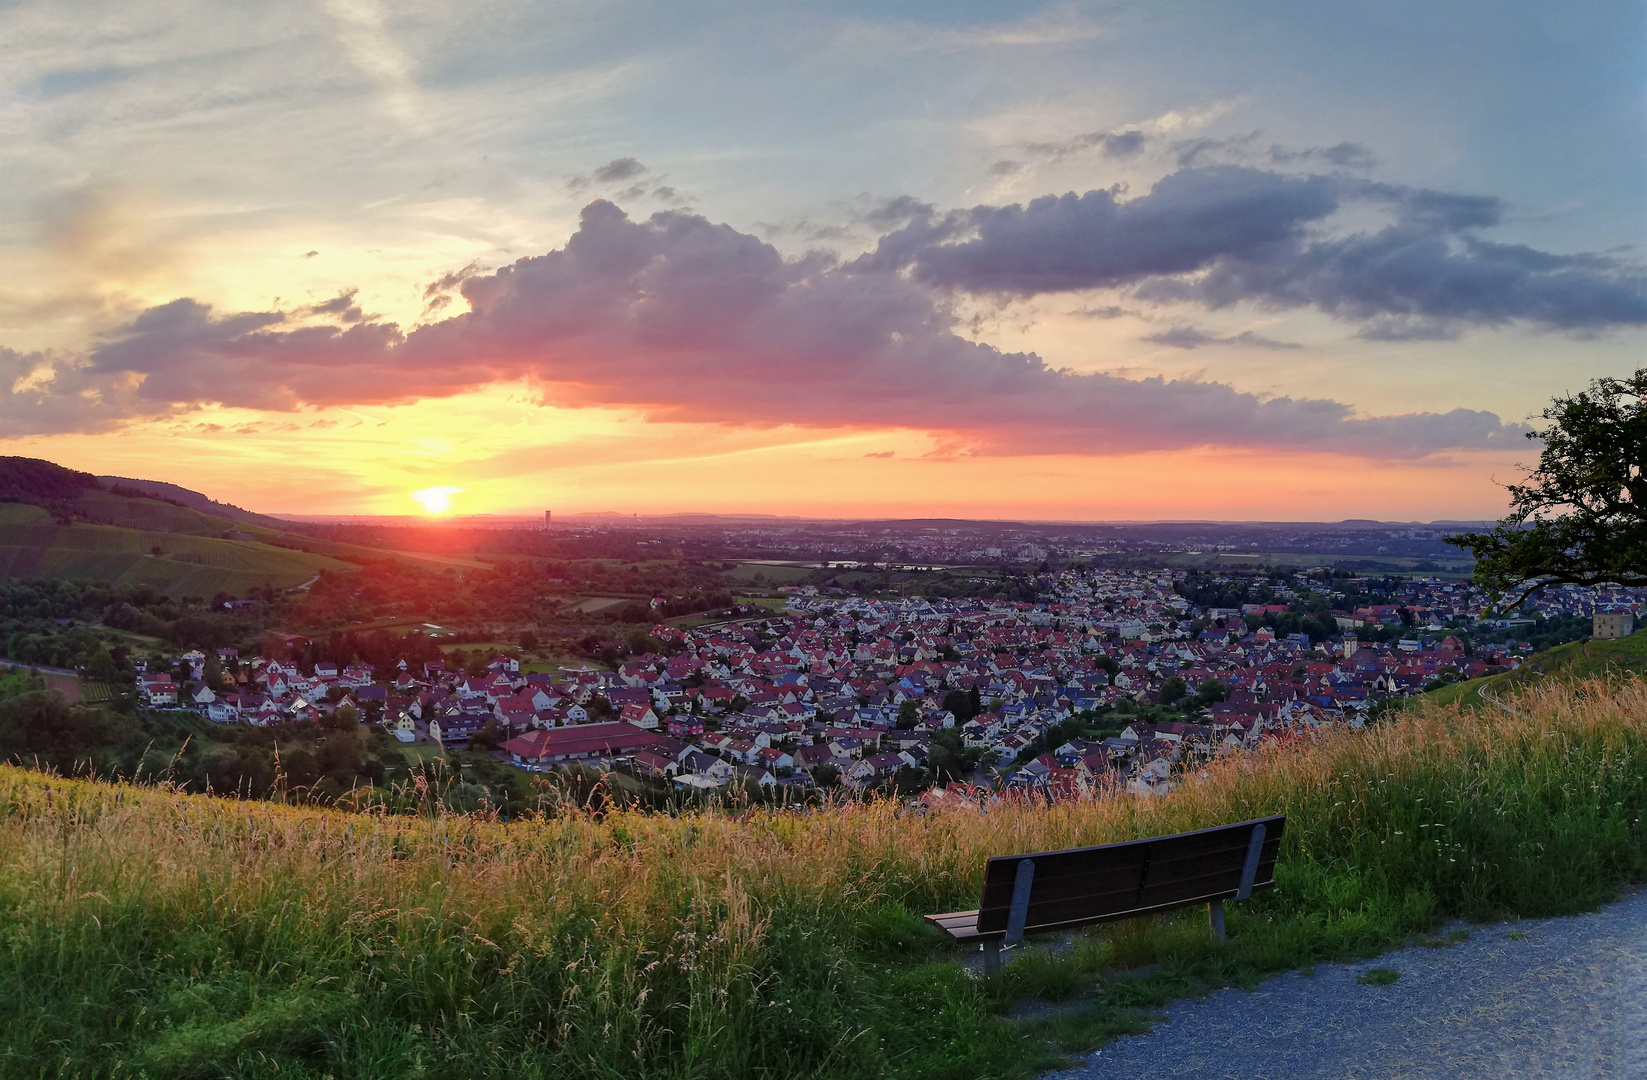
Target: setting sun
<point x="435" y="500"/>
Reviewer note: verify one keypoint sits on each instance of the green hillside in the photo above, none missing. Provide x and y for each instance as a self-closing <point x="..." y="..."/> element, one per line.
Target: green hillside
<point x="194" y="500"/>
<point x="1575" y="660"/>
<point x="190" y="563"/>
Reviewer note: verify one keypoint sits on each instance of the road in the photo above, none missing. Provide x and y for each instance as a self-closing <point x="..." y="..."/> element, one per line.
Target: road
<point x="1551" y="998"/>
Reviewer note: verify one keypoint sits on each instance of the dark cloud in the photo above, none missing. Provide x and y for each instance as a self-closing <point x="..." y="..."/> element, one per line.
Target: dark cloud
<point x="615" y="171"/>
<point x="896" y="211"/>
<point x="1193" y="337"/>
<point x="1344" y="155"/>
<point x="342" y="307"/>
<point x="686" y="320"/>
<point x="1224" y="235"/>
<point x="451" y="280"/>
<point x="618" y="170"/>
<point x="1115" y="144"/>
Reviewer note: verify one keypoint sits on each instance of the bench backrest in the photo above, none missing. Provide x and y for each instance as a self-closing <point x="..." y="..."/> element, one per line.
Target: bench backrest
<point x="1119" y="881"/>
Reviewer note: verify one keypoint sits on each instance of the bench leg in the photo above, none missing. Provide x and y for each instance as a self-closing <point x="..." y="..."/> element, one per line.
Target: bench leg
<point x="992" y="958"/>
<point x="1215" y="911"/>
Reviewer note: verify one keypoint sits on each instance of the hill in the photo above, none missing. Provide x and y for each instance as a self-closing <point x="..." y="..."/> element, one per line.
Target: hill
<point x="57" y="522"/>
<point x="169" y="935"/>
<point x="194" y="500"/>
<point x="182" y="561"/>
<point x="1586" y="659"/>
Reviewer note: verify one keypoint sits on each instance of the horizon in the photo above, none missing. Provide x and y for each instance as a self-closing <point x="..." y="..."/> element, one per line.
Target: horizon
<point x="1051" y="262"/>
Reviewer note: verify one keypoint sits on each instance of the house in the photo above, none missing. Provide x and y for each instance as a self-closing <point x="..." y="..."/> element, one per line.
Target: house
<point x="404" y="728"/>
<point x="455" y="729"/>
<point x="157" y="690"/>
<point x="585" y="743"/>
<point x="639" y="715"/>
<point x="685" y="726"/>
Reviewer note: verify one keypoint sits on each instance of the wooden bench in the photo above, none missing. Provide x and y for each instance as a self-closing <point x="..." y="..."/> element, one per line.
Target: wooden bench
<point x="1058" y="890"/>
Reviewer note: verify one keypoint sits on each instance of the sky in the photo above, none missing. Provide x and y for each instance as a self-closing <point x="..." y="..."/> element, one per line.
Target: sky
<point x="1072" y="261"/>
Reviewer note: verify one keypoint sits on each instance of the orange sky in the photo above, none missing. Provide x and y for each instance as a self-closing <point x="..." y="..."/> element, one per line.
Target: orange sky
<point x="508" y="454"/>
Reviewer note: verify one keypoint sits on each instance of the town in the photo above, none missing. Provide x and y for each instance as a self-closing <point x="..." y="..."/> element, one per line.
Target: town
<point x="1110" y="679"/>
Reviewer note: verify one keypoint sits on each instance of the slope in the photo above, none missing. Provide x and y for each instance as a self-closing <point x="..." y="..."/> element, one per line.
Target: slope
<point x="175" y="562"/>
<point x="194" y="500"/>
<point x="1572" y="661"/>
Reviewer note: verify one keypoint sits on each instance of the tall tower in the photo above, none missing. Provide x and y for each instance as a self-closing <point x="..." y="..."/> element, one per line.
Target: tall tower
<point x="547" y="514"/>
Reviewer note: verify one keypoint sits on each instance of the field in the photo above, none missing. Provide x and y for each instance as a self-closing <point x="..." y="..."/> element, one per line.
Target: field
<point x="1447" y="568"/>
<point x="776" y="573"/>
<point x="188" y="565"/>
<point x="156" y="934"/>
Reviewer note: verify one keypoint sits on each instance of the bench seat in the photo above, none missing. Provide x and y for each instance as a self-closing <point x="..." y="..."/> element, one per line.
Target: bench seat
<point x="1059" y="890"/>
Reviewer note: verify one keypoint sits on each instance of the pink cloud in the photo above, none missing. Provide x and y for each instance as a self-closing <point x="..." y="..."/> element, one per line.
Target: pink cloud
<point x="686" y="320"/>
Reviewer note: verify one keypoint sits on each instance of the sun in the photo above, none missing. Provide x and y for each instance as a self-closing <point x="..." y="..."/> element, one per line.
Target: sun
<point x="435" y="500"/>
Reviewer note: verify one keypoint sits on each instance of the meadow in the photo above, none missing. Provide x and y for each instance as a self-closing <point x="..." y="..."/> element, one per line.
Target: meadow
<point x="149" y="933"/>
<point x="31" y="545"/>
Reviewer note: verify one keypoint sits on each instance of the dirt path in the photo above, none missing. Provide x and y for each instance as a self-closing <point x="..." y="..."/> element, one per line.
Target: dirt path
<point x="1550" y="998"/>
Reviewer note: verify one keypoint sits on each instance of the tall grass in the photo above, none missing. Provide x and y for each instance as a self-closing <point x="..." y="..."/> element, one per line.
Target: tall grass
<point x="145" y="932"/>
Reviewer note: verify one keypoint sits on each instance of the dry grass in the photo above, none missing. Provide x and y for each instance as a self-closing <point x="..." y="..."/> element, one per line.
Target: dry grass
<point x="152" y="932"/>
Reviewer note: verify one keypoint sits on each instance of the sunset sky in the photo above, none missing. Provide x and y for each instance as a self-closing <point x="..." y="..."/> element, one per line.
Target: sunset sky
<point x="1070" y="260"/>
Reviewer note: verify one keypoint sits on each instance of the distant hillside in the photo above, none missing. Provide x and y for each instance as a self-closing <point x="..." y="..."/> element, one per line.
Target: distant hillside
<point x="31" y="480"/>
<point x="1575" y="660"/>
<point x="57" y="522"/>
<point x="196" y="501"/>
<point x="176" y="562"/>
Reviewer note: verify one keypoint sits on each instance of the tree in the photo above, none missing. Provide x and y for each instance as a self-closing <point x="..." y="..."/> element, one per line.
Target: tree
<point x="528" y="641"/>
<point x="1173" y="689"/>
<point x="1581" y="516"/>
<point x="909" y="714"/>
<point x="1210" y="692"/>
<point x="1109" y="666"/>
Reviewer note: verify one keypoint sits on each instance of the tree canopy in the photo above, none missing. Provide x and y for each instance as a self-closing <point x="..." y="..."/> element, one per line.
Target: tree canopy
<point x="1581" y="516"/>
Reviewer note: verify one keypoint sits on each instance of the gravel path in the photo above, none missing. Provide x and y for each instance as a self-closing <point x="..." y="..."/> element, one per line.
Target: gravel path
<point x="1554" y="998"/>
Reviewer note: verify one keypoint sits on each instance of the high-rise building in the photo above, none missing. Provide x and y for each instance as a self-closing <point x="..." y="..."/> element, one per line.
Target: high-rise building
<point x="547" y="514"/>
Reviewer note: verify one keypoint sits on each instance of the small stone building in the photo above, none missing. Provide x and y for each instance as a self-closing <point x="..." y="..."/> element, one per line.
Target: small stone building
<point x="1607" y="627"/>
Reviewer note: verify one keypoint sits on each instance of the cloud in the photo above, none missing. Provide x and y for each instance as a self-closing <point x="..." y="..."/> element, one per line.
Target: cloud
<point x="881" y="454"/>
<point x="685" y="320"/>
<point x="1191" y="337"/>
<point x="1224" y="235"/>
<point x="615" y="171"/>
<point x="1121" y="144"/>
<point x="342" y="306"/>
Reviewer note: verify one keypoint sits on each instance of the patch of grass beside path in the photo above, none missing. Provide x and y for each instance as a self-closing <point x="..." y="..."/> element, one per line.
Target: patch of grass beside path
<point x="144" y="932"/>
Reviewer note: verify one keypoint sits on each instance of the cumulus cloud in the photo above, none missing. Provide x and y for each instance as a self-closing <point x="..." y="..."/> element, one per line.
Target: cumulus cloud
<point x="686" y="320"/>
<point x="1225" y="235"/>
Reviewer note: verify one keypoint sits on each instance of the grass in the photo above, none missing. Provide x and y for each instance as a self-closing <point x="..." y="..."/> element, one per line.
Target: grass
<point x="147" y="933"/>
<point x="1379" y="976"/>
<point x="777" y="574"/>
<point x="188" y="564"/>
<point x="1574" y="660"/>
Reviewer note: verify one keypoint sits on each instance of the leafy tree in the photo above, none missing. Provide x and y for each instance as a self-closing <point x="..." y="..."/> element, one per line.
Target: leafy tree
<point x="1581" y="516"/>
<point x="1211" y="691"/>
<point x="909" y="713"/>
<point x="528" y="641"/>
<point x="1109" y="666"/>
<point x="959" y="702"/>
<point x="1173" y="689"/>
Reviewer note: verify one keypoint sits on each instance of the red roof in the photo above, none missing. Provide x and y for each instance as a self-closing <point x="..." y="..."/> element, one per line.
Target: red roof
<point x="583" y="740"/>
